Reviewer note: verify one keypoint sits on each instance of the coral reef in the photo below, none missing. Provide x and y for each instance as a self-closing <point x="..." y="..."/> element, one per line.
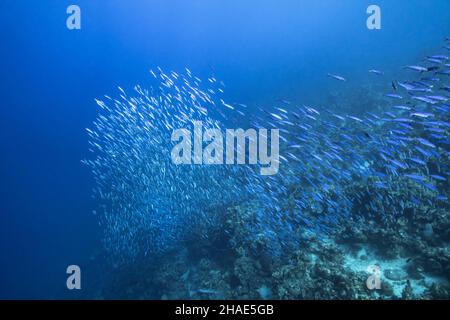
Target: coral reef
<point x="414" y="263"/>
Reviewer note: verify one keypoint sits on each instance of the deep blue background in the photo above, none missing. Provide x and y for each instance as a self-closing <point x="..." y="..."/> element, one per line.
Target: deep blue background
<point x="263" y="50"/>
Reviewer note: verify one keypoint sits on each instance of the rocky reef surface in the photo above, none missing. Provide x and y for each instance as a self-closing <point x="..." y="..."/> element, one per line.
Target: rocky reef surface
<point x="412" y="255"/>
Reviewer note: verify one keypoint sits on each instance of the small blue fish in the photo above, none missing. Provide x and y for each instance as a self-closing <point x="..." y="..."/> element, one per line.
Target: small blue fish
<point x="377" y="72"/>
<point x="393" y="95"/>
<point x="438" y="177"/>
<point x="334" y="76"/>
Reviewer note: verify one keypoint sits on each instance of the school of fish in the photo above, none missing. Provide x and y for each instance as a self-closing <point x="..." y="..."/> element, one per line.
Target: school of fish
<point x="332" y="166"/>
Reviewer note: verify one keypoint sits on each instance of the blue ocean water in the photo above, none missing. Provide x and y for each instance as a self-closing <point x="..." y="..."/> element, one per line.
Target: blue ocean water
<point x="262" y="50"/>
